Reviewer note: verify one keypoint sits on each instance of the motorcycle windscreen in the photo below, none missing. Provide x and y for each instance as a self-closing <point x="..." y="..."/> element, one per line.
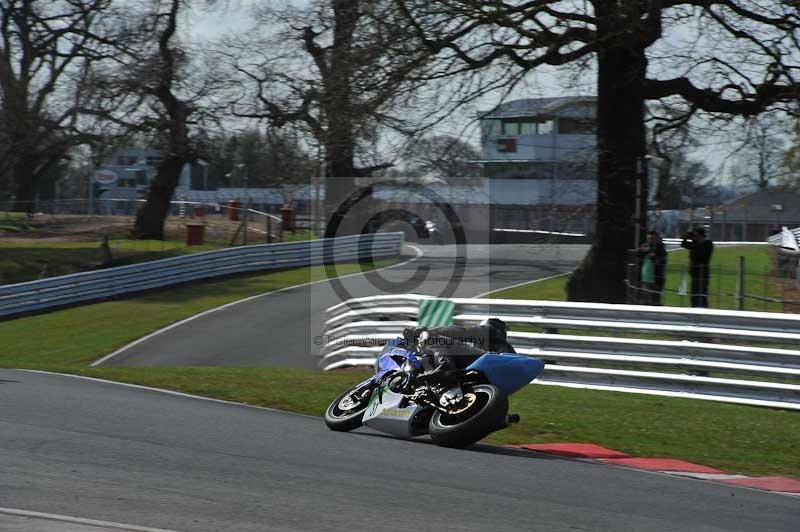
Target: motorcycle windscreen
<point x="507" y="371"/>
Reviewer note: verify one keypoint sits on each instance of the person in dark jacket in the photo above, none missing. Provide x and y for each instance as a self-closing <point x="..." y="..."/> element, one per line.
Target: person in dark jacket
<point x="653" y="257"/>
<point x="458" y="347"/>
<point x="700" y="251"/>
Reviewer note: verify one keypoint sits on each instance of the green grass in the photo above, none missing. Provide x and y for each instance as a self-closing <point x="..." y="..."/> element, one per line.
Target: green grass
<point x="13" y="222"/>
<point x="723" y="280"/>
<point x="297" y="236"/>
<point x="82" y="334"/>
<point x="758" y="268"/>
<point x="29" y="259"/>
<point x="733" y="438"/>
<point x="548" y="290"/>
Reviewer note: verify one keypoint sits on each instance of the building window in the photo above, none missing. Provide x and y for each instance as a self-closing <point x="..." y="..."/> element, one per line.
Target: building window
<point x="575" y="126"/>
<point x="516" y="127"/>
<point x="491" y="128"/>
<point x="506" y="145"/>
<point x="125" y="160"/>
<point x="510" y="127"/>
<point x="544" y="127"/>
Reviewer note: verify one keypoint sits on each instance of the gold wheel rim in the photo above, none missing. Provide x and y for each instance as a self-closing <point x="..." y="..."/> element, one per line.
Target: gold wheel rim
<point x="470" y="398"/>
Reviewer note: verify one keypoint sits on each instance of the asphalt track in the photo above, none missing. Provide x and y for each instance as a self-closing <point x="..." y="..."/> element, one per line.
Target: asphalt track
<point x="113" y="453"/>
<point x="279" y="329"/>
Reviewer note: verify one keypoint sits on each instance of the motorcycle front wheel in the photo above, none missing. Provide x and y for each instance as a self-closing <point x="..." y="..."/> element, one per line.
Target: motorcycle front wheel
<point x="345" y="413"/>
<point x="484" y="412"/>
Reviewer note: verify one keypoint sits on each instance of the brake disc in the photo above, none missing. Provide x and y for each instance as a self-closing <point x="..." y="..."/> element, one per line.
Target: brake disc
<point x="468" y="401"/>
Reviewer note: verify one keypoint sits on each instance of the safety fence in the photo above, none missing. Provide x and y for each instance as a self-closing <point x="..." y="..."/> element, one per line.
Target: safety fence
<point x="54" y="292"/>
<point x="225" y="224"/>
<point x="788" y="239"/>
<point x="732" y="356"/>
<point x="762" y="280"/>
<point x="786" y="254"/>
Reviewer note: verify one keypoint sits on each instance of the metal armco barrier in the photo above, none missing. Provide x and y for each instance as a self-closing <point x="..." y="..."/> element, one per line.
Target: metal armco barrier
<point x="22" y="298"/>
<point x="788" y="239"/>
<point x="705" y="357"/>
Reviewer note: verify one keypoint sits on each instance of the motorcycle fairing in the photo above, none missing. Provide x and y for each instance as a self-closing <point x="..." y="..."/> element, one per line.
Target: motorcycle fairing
<point x="387" y="412"/>
<point x="507" y="371"/>
<point x="388" y="360"/>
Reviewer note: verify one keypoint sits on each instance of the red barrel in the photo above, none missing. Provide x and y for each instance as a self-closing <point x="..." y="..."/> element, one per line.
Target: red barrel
<point x="233" y="210"/>
<point x="194" y="234"/>
<point x="287" y="215"/>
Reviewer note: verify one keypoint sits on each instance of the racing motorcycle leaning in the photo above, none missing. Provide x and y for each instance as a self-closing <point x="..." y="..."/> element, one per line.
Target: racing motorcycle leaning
<point x="457" y="407"/>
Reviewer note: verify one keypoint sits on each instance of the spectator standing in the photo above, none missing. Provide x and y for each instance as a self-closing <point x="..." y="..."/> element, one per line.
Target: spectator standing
<point x="653" y="256"/>
<point x="700" y="251"/>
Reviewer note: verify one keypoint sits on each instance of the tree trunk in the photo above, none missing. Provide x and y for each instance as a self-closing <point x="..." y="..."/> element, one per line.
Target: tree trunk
<point x="338" y="107"/>
<point x="621" y="145"/>
<point x="25" y="187"/>
<point x="151" y="216"/>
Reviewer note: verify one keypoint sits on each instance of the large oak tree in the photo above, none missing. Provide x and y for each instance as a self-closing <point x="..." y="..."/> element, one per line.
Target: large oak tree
<point x="722" y="57"/>
<point x="160" y="90"/>
<point x="47" y="48"/>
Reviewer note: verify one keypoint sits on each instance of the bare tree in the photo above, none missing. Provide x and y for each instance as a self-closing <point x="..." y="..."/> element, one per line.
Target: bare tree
<point x="678" y="175"/>
<point x="271" y="157"/>
<point x="348" y="71"/>
<point x="759" y="162"/>
<point x="738" y="58"/>
<point x="791" y="160"/>
<point x="47" y="47"/>
<point x="444" y="157"/>
<point x="159" y="89"/>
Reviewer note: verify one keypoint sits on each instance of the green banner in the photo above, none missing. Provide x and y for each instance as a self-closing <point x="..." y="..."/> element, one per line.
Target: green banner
<point x="435" y="313"/>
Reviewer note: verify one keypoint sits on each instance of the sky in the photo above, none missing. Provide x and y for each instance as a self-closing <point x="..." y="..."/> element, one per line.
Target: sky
<point x="231" y="16"/>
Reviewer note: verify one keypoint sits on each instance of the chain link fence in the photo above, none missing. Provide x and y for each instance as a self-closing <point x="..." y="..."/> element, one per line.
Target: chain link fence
<point x="753" y="278"/>
<point x="59" y="237"/>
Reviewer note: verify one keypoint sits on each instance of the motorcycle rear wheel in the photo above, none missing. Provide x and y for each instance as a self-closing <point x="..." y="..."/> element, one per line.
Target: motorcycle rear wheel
<point x="342" y="417"/>
<point x="485" y="415"/>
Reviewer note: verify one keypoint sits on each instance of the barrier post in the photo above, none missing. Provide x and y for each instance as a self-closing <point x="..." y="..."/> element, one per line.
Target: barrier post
<point x="269" y="229"/>
<point x="740" y="284"/>
<point x="246" y="214"/>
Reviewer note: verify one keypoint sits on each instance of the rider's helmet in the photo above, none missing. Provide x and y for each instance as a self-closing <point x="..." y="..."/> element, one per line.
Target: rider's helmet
<point x="497" y="327"/>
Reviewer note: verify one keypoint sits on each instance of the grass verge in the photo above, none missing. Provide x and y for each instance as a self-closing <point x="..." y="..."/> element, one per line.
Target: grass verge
<point x="28" y="259"/>
<point x="723" y="280"/>
<point x="735" y="438"/>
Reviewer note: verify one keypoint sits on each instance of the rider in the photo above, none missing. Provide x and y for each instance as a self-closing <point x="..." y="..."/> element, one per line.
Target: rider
<point x="458" y="347"/>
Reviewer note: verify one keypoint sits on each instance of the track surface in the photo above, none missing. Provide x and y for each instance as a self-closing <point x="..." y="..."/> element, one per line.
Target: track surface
<point x="279" y="329"/>
<point x="114" y="453"/>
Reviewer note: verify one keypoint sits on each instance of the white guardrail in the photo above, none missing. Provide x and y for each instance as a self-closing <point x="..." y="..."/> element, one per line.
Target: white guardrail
<point x="704" y="358"/>
<point x="23" y="298"/>
<point x="787" y="239"/>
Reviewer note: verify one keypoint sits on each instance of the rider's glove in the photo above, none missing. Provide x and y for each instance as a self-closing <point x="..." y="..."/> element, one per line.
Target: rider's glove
<point x="412" y="334"/>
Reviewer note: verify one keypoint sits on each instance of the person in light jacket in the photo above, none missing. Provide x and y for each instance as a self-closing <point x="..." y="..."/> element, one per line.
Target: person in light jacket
<point x="653" y="257"/>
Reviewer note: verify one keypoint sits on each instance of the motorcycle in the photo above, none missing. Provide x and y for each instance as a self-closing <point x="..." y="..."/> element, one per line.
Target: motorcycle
<point x="455" y="407"/>
<point x="434" y="234"/>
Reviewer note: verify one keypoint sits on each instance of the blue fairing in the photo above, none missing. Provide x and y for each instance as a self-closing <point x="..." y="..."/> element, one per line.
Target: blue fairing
<point x="508" y="372"/>
<point x="391" y="358"/>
